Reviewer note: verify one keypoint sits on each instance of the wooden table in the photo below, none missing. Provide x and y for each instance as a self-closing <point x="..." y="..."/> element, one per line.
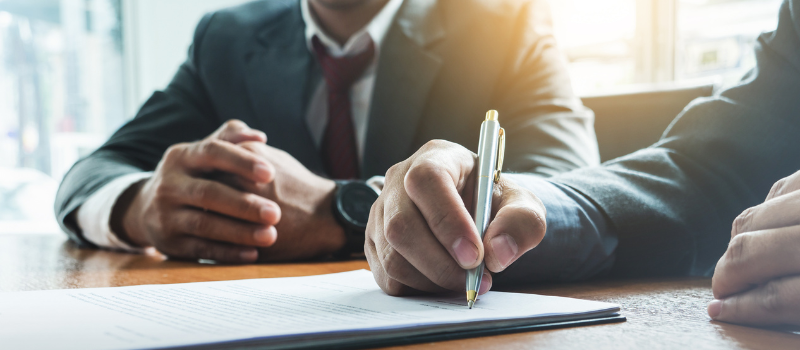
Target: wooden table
<point x="664" y="313"/>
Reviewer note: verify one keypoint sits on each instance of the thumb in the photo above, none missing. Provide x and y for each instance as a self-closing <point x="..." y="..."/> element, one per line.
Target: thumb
<point x="236" y="131"/>
<point x="518" y="226"/>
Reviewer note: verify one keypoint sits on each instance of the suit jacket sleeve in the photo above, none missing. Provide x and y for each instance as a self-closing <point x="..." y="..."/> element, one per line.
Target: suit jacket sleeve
<point x="549" y="130"/>
<point x="672" y="204"/>
<point x="180" y="113"/>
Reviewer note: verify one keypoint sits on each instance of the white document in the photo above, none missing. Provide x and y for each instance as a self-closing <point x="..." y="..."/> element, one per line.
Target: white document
<point x="296" y="311"/>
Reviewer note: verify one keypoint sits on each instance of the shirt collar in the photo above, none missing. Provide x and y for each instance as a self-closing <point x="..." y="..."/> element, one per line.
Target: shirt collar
<point x="376" y="30"/>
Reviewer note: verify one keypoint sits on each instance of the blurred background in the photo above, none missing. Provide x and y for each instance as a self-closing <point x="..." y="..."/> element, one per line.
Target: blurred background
<point x="73" y="71"/>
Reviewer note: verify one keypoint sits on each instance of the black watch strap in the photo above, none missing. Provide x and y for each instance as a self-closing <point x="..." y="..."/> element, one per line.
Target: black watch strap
<point x="351" y="204"/>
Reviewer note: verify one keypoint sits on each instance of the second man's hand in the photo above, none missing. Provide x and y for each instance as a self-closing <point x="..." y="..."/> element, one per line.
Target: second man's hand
<point x="421" y="236"/>
<point x="757" y="280"/>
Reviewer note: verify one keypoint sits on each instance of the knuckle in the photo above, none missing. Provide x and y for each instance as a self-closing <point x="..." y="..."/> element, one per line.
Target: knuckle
<point x="394" y="288"/>
<point x="249" y="204"/>
<point x="736" y="255"/>
<point x="777" y="188"/>
<point x="197" y="223"/>
<point x="742" y="222"/>
<point x="394" y="171"/>
<point x="376" y="209"/>
<point x="235" y="124"/>
<point x="369" y="251"/>
<point x="375" y="216"/>
<point x="162" y="223"/>
<point x="537" y="223"/>
<point x="163" y="193"/>
<point x="174" y="152"/>
<point x="210" y="147"/>
<point x="395" y="228"/>
<point x="435" y="144"/>
<point x="200" y="192"/>
<point x="251" y="146"/>
<point x="423" y="171"/>
<point x="393" y="264"/>
<point x="773" y="298"/>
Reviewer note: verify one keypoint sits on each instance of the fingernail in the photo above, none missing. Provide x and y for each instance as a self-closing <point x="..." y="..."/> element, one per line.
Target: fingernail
<point x="715" y="308"/>
<point x="505" y="249"/>
<point x="466" y="252"/>
<point x="267" y="213"/>
<point x="263" y="235"/>
<point x="249" y="255"/>
<point x="263" y="172"/>
<point x="486" y="284"/>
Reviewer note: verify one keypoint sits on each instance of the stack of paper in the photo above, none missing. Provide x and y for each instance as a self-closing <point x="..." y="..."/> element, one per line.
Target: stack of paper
<point x="338" y="309"/>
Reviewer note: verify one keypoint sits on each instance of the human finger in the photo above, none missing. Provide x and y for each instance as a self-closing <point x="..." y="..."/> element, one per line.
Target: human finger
<point x="432" y="182"/>
<point x="778" y="212"/>
<point x="410" y="253"/>
<point x="775" y="303"/>
<point x="235" y="131"/>
<point x="486" y="282"/>
<point x="756" y="257"/>
<point x="518" y="226"/>
<point x="238" y="183"/>
<point x="216" y="155"/>
<point x="784" y="186"/>
<point x="223" y="229"/>
<point x="194" y="248"/>
<point x="216" y="197"/>
<point x="388" y="285"/>
<point x="392" y="265"/>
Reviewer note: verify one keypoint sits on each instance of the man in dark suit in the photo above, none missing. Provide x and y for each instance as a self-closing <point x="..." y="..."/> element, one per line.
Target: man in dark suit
<point x="664" y="210"/>
<point x="343" y="89"/>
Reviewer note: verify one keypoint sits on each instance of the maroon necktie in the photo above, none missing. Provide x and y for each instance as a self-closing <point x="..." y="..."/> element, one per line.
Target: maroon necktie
<point x="339" y="152"/>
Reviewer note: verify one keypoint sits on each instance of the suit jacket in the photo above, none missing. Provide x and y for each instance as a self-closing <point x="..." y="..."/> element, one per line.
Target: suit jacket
<point x="442" y="65"/>
<point x="672" y="205"/>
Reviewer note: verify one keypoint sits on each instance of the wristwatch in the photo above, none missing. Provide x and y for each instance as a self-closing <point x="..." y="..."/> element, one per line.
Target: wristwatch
<point x="351" y="205"/>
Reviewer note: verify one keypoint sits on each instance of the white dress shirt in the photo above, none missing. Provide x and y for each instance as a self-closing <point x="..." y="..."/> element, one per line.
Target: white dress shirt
<point x="94" y="215"/>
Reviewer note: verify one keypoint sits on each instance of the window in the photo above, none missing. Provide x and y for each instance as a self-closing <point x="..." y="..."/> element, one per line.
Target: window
<point x="61" y="94"/>
<point x="630" y="44"/>
<point x="60" y="80"/>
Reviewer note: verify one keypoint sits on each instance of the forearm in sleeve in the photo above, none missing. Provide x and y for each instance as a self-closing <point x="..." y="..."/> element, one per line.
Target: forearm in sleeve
<point x="578" y="243"/>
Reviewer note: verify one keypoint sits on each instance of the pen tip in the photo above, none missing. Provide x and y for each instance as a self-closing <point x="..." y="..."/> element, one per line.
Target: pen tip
<point x="471" y="303"/>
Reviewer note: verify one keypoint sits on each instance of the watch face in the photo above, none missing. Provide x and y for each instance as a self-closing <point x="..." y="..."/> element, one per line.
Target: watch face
<point x="355" y="202"/>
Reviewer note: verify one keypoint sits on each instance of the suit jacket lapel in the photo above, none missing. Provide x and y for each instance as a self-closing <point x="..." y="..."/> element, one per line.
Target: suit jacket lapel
<point x="406" y="71"/>
<point x="280" y="73"/>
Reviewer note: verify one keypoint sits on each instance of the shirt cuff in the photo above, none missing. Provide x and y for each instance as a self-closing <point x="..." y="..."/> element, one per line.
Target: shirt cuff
<point x="376" y="182"/>
<point x="94" y="215"/>
<point x="578" y="244"/>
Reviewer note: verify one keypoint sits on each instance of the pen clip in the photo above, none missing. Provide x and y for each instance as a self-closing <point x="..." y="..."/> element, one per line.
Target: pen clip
<point x="501" y="150"/>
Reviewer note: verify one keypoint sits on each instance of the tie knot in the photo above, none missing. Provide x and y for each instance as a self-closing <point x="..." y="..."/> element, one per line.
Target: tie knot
<point x="341" y="72"/>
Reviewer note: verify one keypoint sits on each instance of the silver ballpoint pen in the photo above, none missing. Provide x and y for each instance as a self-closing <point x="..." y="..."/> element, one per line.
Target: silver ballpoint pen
<point x="491" y="147"/>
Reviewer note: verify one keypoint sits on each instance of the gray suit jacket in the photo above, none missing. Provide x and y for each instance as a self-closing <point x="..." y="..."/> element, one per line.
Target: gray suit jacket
<point x="672" y="204"/>
<point x="442" y="65"/>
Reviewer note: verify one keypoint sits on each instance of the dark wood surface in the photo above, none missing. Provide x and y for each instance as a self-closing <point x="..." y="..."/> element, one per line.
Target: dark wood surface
<point x="662" y="314"/>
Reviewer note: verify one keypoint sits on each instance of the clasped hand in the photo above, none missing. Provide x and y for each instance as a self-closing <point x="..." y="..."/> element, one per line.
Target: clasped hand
<point x="421" y="236"/>
<point x="757" y="280"/>
<point x="231" y="198"/>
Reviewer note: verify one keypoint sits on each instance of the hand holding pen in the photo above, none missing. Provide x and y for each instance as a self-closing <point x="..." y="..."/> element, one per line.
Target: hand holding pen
<point x="491" y="149"/>
<point x="421" y="236"/>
